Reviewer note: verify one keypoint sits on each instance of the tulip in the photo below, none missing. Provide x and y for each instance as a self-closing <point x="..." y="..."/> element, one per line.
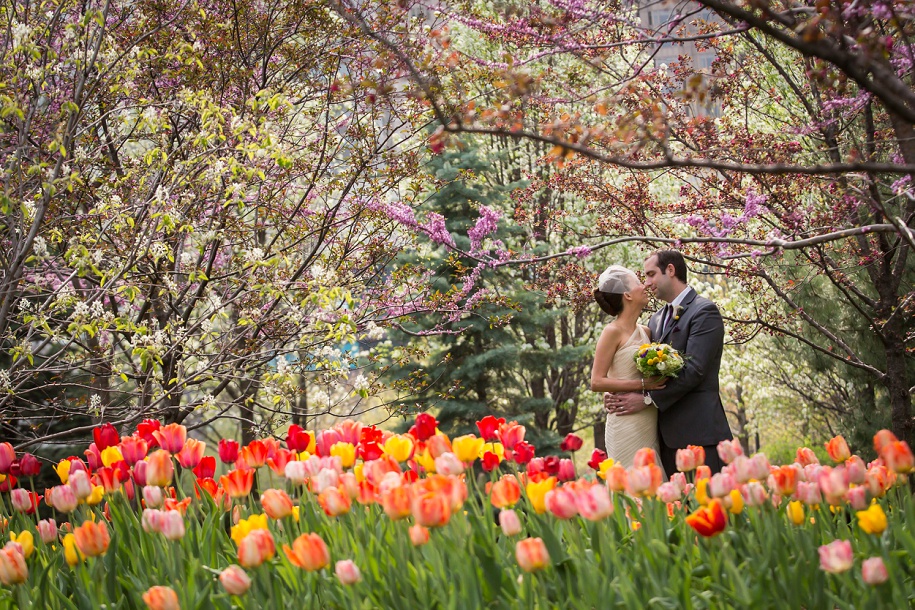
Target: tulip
<point x="159" y="469"/>
<point x="881" y="440"/>
<point x="308" y="552"/>
<point x="808" y="493"/>
<point x="872" y="520"/>
<point x="785" y="479"/>
<point x="531" y="554"/>
<point x="448" y="464"/>
<point x="396" y="502"/>
<point x="172" y="526"/>
<point x="347" y="572"/>
<point x="325" y="479"/>
<point x="96" y="496"/>
<point x="24" y="501"/>
<point x="80" y="484"/>
<point x="133" y="449"/>
<point x="669" y="492"/>
<point x="72" y="554"/>
<point x="153" y="496"/>
<point x="644" y="457"/>
<point x="505" y="492"/>
<point x="594" y="503"/>
<point x="431" y="509"/>
<point x="561" y="502"/>
<point x="29" y="466"/>
<point x="235" y="580"/>
<point x="206" y="468"/>
<point x="805" y="456"/>
<point x="759" y="467"/>
<point x="702" y="491"/>
<point x="277" y="503"/>
<point x="237" y="483"/>
<point x="679" y="479"/>
<point x="734" y="502"/>
<point x="857" y="497"/>
<point x="566" y="470"/>
<point x="347" y="453"/>
<point x="898" y="457"/>
<point x="92" y="538"/>
<point x="256" y="548"/>
<point x="419" y="535"/>
<point x="836" y="556"/>
<point x="686" y="460"/>
<point x="7" y="457"/>
<point x="13" y="569"/>
<point x="873" y="571"/>
<point x="708" y="520"/>
<point x="161" y="598"/>
<point x="795" y="511"/>
<point x="490" y="461"/>
<point x="245" y="526"/>
<point x="424" y="428"/>
<point x="280" y="459"/>
<point x="832" y="484"/>
<point x="855" y="470"/>
<point x="145" y="431"/>
<point x="467" y="448"/>
<point x="139" y="473"/>
<point x="336" y="501"/>
<point x="111" y="455"/>
<point x="522" y="453"/>
<point x="597" y="456"/>
<point x="324" y="440"/>
<point x="509" y="522"/>
<point x="878" y="479"/>
<point x="63" y="471"/>
<point x="572" y="442"/>
<point x="536" y="493"/>
<point x="728" y="450"/>
<point x="171" y="437"/>
<point x="109" y="479"/>
<point x="228" y="451"/>
<point x="643" y="480"/>
<point x="105" y="436"/>
<point x="703" y="472"/>
<point x="721" y="484"/>
<point x="511" y="434"/>
<point x="61" y="498"/>
<point x="47" y="530"/>
<point x="754" y="494"/>
<point x="838" y="450"/>
<point x="191" y="453"/>
<point x="25" y="540"/>
<point x="617" y="478"/>
<point x="439" y="445"/>
<point x="489" y="428"/>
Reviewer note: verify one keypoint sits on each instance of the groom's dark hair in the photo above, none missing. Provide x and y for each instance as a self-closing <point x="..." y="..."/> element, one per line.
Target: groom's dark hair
<point x="671" y="257"/>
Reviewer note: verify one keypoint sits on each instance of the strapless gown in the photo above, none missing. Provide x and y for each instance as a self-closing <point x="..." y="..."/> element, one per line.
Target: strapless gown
<point x="626" y="434"/>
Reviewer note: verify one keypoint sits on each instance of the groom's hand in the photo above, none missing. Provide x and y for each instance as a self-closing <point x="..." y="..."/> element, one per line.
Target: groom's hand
<point x="625" y="403"/>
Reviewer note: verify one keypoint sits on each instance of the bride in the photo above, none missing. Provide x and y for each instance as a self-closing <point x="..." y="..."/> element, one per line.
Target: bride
<point x="621" y="294"/>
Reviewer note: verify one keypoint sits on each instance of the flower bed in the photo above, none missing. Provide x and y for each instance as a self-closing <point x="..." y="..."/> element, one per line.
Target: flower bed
<point x="358" y="517"/>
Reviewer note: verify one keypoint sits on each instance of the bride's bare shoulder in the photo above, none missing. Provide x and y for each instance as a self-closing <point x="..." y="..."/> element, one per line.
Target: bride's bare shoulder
<point x="645" y="329"/>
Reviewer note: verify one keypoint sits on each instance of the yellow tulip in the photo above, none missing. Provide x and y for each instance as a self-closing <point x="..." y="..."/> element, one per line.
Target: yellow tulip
<point x="346" y="452"/>
<point x="246" y="526"/>
<point x="467" y="448"/>
<point x="536" y="493"/>
<point x="702" y="491"/>
<point x="737" y="503"/>
<point x="495" y="448"/>
<point x="796" y="512"/>
<point x="111" y="455"/>
<point x="872" y="520"/>
<point x="71" y="553"/>
<point x="96" y="496"/>
<point x="357" y="470"/>
<point x="25" y="540"/>
<point x="604" y="467"/>
<point x="63" y="471"/>
<point x="303" y="456"/>
<point x="399" y="447"/>
<point x="425" y="460"/>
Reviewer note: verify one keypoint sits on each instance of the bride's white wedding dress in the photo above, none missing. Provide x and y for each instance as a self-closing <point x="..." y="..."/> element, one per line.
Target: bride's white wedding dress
<point x="626" y="434"/>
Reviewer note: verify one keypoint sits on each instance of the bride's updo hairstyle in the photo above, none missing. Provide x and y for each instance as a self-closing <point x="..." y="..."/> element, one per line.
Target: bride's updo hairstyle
<point x="612" y="284"/>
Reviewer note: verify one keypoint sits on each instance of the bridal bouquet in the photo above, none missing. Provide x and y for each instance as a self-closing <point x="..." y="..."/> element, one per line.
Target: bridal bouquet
<point x="658" y="360"/>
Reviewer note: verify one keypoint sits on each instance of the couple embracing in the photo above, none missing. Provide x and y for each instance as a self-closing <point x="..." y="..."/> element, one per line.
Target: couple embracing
<point x="663" y="413"/>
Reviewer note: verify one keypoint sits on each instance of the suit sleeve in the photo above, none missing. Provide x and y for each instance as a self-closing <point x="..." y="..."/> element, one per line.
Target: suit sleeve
<point x="704" y="344"/>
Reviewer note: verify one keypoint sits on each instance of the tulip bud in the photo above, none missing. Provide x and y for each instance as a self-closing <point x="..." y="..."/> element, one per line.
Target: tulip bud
<point x="873" y="571"/>
<point x="594" y="502"/>
<point x="235" y="580"/>
<point x="159" y="469"/>
<point x="256" y="548"/>
<point x="308" y="552"/>
<point x="448" y="464"/>
<point x="728" y="450"/>
<point x="561" y="502"/>
<point x="161" y="598"/>
<point x="572" y="442"/>
<point x="509" y="522"/>
<point x="836" y="556"/>
<point x="172" y="525"/>
<point x="47" y="529"/>
<point x="61" y="498"/>
<point x="277" y="503"/>
<point x="419" y="535"/>
<point x="21" y="500"/>
<point x="531" y="554"/>
<point x="566" y="470"/>
<point x="13" y="569"/>
<point x="347" y="572"/>
<point x="79" y="482"/>
<point x="669" y="492"/>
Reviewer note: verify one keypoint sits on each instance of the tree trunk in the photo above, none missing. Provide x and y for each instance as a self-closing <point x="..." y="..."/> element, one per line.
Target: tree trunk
<point x="897" y="386"/>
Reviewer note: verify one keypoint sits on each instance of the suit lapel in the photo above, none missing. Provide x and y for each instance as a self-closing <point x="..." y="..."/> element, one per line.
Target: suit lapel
<point x="679" y="313"/>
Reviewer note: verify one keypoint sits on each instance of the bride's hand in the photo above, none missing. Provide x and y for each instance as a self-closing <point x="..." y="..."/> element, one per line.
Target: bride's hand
<point x="655" y="383"/>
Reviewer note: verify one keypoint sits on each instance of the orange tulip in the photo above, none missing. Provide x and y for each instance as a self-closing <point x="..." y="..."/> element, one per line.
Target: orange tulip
<point x="708" y="520"/>
<point x="644" y="480"/>
<point x="616" y="478"/>
<point x="882" y="439"/>
<point x="277" y="503"/>
<point x="92" y="538"/>
<point x="505" y="492"/>
<point x="531" y="554"/>
<point x="431" y="509"/>
<point x="785" y="478"/>
<point x="237" y="483"/>
<point x="308" y="552"/>
<point x="838" y="449"/>
<point x="278" y="462"/>
<point x="898" y="457"/>
<point x="159" y="469"/>
<point x="335" y="501"/>
<point x="253" y="455"/>
<point x="256" y="548"/>
<point x="171" y="437"/>
<point x="161" y="598"/>
<point x="396" y="502"/>
<point x="191" y="454"/>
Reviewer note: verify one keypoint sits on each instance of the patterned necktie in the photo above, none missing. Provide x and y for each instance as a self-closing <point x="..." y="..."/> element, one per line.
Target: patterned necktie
<point x="665" y="317"/>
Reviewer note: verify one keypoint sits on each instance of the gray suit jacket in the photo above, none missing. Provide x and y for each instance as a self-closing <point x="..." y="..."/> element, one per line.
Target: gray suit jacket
<point x="690" y="409"/>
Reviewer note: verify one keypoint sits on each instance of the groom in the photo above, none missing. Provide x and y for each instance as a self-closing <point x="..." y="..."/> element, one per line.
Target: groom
<point x="690" y="409"/>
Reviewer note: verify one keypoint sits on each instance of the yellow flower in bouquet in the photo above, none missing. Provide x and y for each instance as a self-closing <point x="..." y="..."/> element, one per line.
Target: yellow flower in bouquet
<point x="658" y="360"/>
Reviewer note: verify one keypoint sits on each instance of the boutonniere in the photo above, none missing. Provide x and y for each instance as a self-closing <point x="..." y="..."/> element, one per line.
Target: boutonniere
<point x="678" y="309"/>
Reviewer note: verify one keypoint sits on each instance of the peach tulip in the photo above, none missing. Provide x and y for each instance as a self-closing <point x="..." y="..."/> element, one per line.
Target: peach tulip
<point x="448" y="464"/>
<point x="431" y="509"/>
<point x="237" y="483"/>
<point x="509" y="522"/>
<point x="505" y="492"/>
<point x="347" y="572"/>
<point x="594" y="503"/>
<point x="161" y="598"/>
<point x="308" y="552"/>
<point x="881" y="439"/>
<point x="561" y="502"/>
<point x="728" y="450"/>
<point x="13" y="569"/>
<point x="805" y="456"/>
<point x="191" y="454"/>
<point x="419" y="535"/>
<point x="277" y="503"/>
<point x="256" y="548"/>
<point x="836" y="556"/>
<point x="873" y="571"/>
<point x="92" y="538"/>
<point x="396" y="502"/>
<point x="616" y="477"/>
<point x="898" y="457"/>
<point x="171" y="438"/>
<point x="838" y="450"/>
<point x="335" y="500"/>
<point x="159" y="469"/>
<point x="531" y="554"/>
<point x="235" y="580"/>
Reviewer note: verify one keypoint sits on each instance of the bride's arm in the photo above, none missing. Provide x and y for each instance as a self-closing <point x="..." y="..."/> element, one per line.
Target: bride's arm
<point x="603" y="355"/>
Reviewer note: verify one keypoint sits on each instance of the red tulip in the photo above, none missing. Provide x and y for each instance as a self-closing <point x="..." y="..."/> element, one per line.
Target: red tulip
<point x="105" y="436"/>
<point x="566" y="470"/>
<point x="490" y="461"/>
<point x="597" y="456"/>
<point x="278" y="462"/>
<point x="522" y="453"/>
<point x="424" y="428"/>
<point x="299" y="440"/>
<point x="708" y="520"/>
<point x="511" y="434"/>
<point x="145" y="431"/>
<point x="206" y="468"/>
<point x="29" y="466"/>
<point x="489" y="427"/>
<point x="228" y="451"/>
<point x="572" y="442"/>
<point x="551" y="465"/>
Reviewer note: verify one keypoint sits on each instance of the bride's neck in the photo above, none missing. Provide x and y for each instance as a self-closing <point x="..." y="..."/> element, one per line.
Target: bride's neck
<point x="629" y="317"/>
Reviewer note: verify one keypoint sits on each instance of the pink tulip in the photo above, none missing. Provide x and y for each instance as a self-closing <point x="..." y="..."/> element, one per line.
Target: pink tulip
<point x="686" y="460"/>
<point x="347" y="572"/>
<point x="728" y="450"/>
<point x="133" y="449"/>
<point x="139" y="473"/>
<point x="833" y="485"/>
<point x="21" y="500"/>
<point x="61" y="498"/>
<point x="855" y="470"/>
<point x="448" y="464"/>
<point x="47" y="530"/>
<point x="235" y="580"/>
<point x="566" y="470"/>
<point x="679" y="479"/>
<point x="669" y="492"/>
<point x="561" y="502"/>
<point x="759" y="467"/>
<point x="325" y="479"/>
<point x="191" y="454"/>
<point x="296" y="472"/>
<point x="79" y="482"/>
<point x="836" y="556"/>
<point x="153" y="496"/>
<point x="857" y="497"/>
<point x="171" y="437"/>
<point x="509" y="522"/>
<point x="873" y="571"/>
<point x="721" y="484"/>
<point x="754" y="494"/>
<point x="172" y="526"/>
<point x="594" y="502"/>
<point x="808" y="493"/>
<point x="7" y="457"/>
<point x="419" y="535"/>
